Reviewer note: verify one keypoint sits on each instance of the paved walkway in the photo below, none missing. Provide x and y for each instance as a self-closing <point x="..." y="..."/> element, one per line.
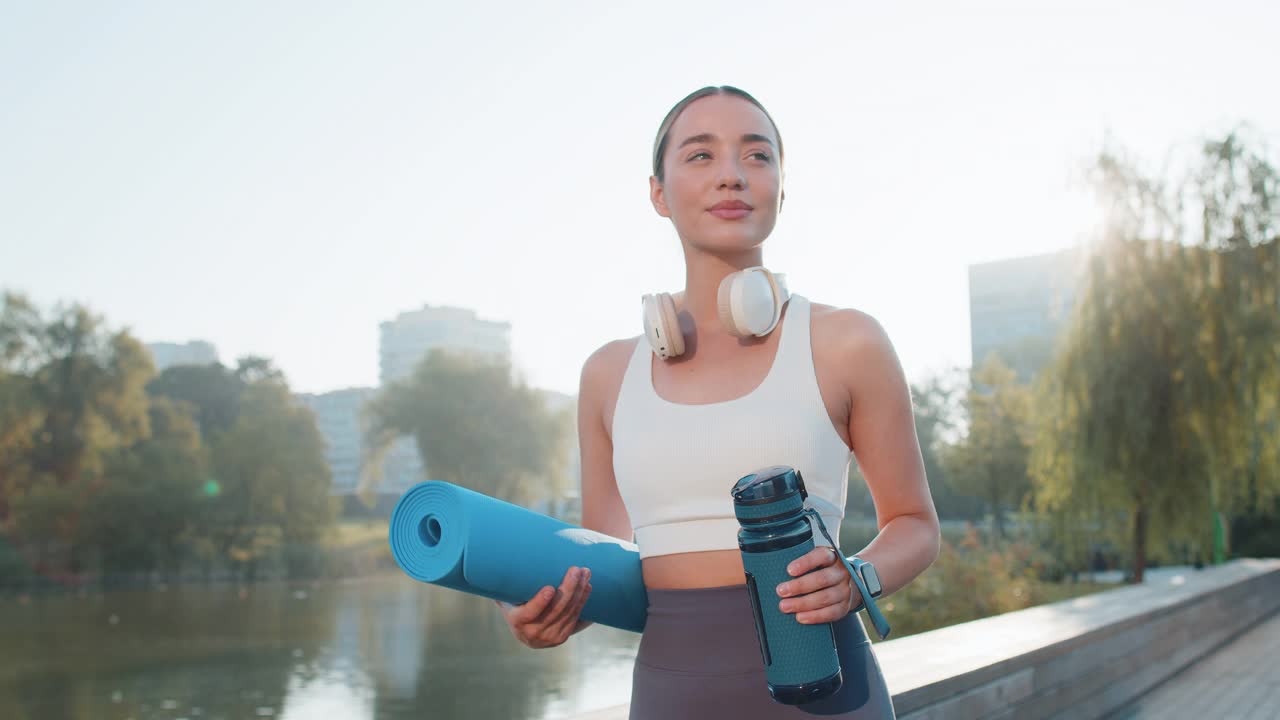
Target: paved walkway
<point x="1240" y="681"/>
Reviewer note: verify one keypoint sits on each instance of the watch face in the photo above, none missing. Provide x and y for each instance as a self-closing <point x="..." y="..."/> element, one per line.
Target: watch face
<point x="872" y="580"/>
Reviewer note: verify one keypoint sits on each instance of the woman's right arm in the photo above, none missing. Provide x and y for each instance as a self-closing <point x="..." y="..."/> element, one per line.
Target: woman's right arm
<point x="551" y="616"/>
<point x="602" y="506"/>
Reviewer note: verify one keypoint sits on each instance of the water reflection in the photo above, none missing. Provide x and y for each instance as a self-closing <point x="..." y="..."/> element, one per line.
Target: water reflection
<point x="383" y="648"/>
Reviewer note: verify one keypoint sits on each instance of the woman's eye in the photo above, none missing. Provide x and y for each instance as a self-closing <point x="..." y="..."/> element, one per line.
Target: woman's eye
<point x="699" y="154"/>
<point x="763" y="156"/>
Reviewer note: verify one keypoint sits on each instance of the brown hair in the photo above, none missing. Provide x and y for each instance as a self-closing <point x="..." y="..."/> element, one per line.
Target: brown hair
<point x="660" y="142"/>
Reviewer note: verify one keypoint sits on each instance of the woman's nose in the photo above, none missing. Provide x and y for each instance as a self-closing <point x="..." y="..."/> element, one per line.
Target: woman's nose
<point x="731" y="176"/>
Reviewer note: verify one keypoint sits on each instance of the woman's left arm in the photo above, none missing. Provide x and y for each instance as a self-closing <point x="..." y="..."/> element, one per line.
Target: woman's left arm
<point x="883" y="436"/>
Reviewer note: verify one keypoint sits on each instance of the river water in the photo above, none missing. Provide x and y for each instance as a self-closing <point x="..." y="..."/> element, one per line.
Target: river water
<point x="384" y="647"/>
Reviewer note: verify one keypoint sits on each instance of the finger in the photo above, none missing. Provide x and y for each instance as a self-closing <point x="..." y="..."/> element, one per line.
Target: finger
<point x="830" y="613"/>
<point x="837" y="596"/>
<point x="572" y="613"/>
<point x="818" y="557"/>
<point x="580" y="598"/>
<point x="814" y="581"/>
<point x="556" y="628"/>
<point x="564" y="596"/>
<point x="530" y="611"/>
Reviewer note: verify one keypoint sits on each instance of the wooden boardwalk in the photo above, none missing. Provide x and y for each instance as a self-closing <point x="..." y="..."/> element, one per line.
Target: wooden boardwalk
<point x="1240" y="681"/>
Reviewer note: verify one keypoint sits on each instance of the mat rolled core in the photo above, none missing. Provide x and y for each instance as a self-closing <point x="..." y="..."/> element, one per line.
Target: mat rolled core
<point x="447" y="535"/>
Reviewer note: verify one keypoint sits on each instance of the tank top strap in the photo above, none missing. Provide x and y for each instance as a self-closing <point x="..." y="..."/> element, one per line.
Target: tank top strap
<point x="637" y="386"/>
<point x="794" y="358"/>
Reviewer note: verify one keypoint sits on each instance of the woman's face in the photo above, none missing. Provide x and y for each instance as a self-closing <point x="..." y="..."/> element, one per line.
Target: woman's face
<point x="723" y="185"/>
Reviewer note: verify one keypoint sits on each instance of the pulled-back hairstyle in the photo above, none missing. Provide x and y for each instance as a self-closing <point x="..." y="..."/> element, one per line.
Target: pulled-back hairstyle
<point x="660" y="142"/>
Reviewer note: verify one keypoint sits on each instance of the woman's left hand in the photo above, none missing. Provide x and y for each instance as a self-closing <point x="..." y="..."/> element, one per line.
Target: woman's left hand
<point x="822" y="592"/>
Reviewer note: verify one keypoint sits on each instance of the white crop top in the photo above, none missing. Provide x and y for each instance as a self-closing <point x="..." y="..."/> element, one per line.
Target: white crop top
<point x="675" y="463"/>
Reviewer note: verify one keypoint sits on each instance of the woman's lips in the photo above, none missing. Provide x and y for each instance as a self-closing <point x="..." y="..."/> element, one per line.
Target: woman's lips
<point x="730" y="213"/>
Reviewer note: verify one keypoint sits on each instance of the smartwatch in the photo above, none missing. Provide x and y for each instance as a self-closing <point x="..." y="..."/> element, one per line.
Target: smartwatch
<point x="869" y="576"/>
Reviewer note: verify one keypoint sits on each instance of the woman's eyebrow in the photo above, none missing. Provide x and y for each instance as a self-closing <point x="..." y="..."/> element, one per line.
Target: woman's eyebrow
<point x="709" y="137"/>
<point x="753" y="137"/>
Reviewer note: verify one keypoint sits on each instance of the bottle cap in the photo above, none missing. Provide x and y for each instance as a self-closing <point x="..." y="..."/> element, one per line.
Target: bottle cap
<point x="769" y="485"/>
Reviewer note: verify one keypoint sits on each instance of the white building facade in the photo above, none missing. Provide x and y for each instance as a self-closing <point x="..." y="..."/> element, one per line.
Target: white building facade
<point x="1019" y="308"/>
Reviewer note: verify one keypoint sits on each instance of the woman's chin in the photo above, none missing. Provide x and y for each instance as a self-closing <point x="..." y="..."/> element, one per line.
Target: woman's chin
<point x="729" y="246"/>
<point x="729" y="241"/>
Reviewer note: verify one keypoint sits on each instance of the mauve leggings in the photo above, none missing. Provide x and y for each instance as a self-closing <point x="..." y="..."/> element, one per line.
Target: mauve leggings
<point x="699" y="658"/>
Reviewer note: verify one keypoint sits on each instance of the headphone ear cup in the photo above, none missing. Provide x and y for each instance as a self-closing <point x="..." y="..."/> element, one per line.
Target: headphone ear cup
<point x="724" y="305"/>
<point x="671" y="325"/>
<point x="778" y="288"/>
<point x="661" y="326"/>
<point x="653" y="325"/>
<point x="749" y="302"/>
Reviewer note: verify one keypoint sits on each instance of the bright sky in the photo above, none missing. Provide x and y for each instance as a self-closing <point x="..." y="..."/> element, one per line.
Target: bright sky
<point x="278" y="178"/>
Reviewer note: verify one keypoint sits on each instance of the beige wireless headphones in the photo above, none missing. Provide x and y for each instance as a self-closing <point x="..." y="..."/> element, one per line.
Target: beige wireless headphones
<point x="750" y="302"/>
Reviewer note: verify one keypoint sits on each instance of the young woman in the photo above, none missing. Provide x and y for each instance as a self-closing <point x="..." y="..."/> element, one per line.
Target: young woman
<point x="665" y="434"/>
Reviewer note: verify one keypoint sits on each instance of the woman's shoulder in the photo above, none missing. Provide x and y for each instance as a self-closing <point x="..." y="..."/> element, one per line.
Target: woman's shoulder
<point x="611" y="357"/>
<point x="604" y="369"/>
<point x="850" y="338"/>
<point x="849" y="328"/>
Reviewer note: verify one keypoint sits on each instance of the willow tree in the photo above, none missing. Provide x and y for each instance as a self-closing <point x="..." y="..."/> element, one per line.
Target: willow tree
<point x="1119" y="415"/>
<point x="1237" y="192"/>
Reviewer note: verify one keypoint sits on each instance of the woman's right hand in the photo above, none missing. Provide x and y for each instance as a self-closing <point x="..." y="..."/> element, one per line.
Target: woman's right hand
<point x="551" y="616"/>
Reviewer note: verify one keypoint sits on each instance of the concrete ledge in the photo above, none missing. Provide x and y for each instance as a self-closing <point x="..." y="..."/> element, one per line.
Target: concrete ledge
<point x="1081" y="658"/>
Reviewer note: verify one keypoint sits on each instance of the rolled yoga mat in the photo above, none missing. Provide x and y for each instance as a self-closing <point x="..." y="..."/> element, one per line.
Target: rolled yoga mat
<point x="457" y="538"/>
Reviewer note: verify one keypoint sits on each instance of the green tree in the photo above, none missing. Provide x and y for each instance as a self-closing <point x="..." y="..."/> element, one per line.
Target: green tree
<point x="213" y="390"/>
<point x="474" y="426"/>
<point x="152" y="495"/>
<point x="106" y="467"/>
<point x="1238" y="193"/>
<point x="78" y="394"/>
<point x="936" y="404"/>
<point x="271" y="482"/>
<point x="20" y="418"/>
<point x="1119" y="416"/>
<point x="990" y="461"/>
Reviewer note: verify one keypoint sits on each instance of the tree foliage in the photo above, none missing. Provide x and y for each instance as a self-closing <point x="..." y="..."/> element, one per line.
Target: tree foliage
<point x="474" y="426"/>
<point x="81" y="385"/>
<point x="271" y="477"/>
<point x="1160" y="405"/>
<point x="990" y="461"/>
<point x="106" y="467"/>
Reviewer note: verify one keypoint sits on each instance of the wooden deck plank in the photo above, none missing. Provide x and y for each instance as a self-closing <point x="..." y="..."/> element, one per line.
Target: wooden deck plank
<point x="1240" y="680"/>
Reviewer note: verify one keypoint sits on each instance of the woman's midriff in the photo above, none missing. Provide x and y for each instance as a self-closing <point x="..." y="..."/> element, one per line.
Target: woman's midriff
<point x="683" y="571"/>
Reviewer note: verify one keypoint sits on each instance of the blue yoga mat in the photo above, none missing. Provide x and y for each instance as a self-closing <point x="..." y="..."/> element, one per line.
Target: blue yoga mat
<point x="447" y="535"/>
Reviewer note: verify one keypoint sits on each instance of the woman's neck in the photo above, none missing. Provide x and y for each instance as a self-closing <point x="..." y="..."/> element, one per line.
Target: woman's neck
<point x="703" y="274"/>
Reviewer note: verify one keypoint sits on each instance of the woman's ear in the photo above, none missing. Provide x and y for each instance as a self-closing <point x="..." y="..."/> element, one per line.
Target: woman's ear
<point x="658" y="197"/>
<point x="782" y="200"/>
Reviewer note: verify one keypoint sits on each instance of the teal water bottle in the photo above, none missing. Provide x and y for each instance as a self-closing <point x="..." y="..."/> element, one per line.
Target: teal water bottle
<point x="801" y="661"/>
